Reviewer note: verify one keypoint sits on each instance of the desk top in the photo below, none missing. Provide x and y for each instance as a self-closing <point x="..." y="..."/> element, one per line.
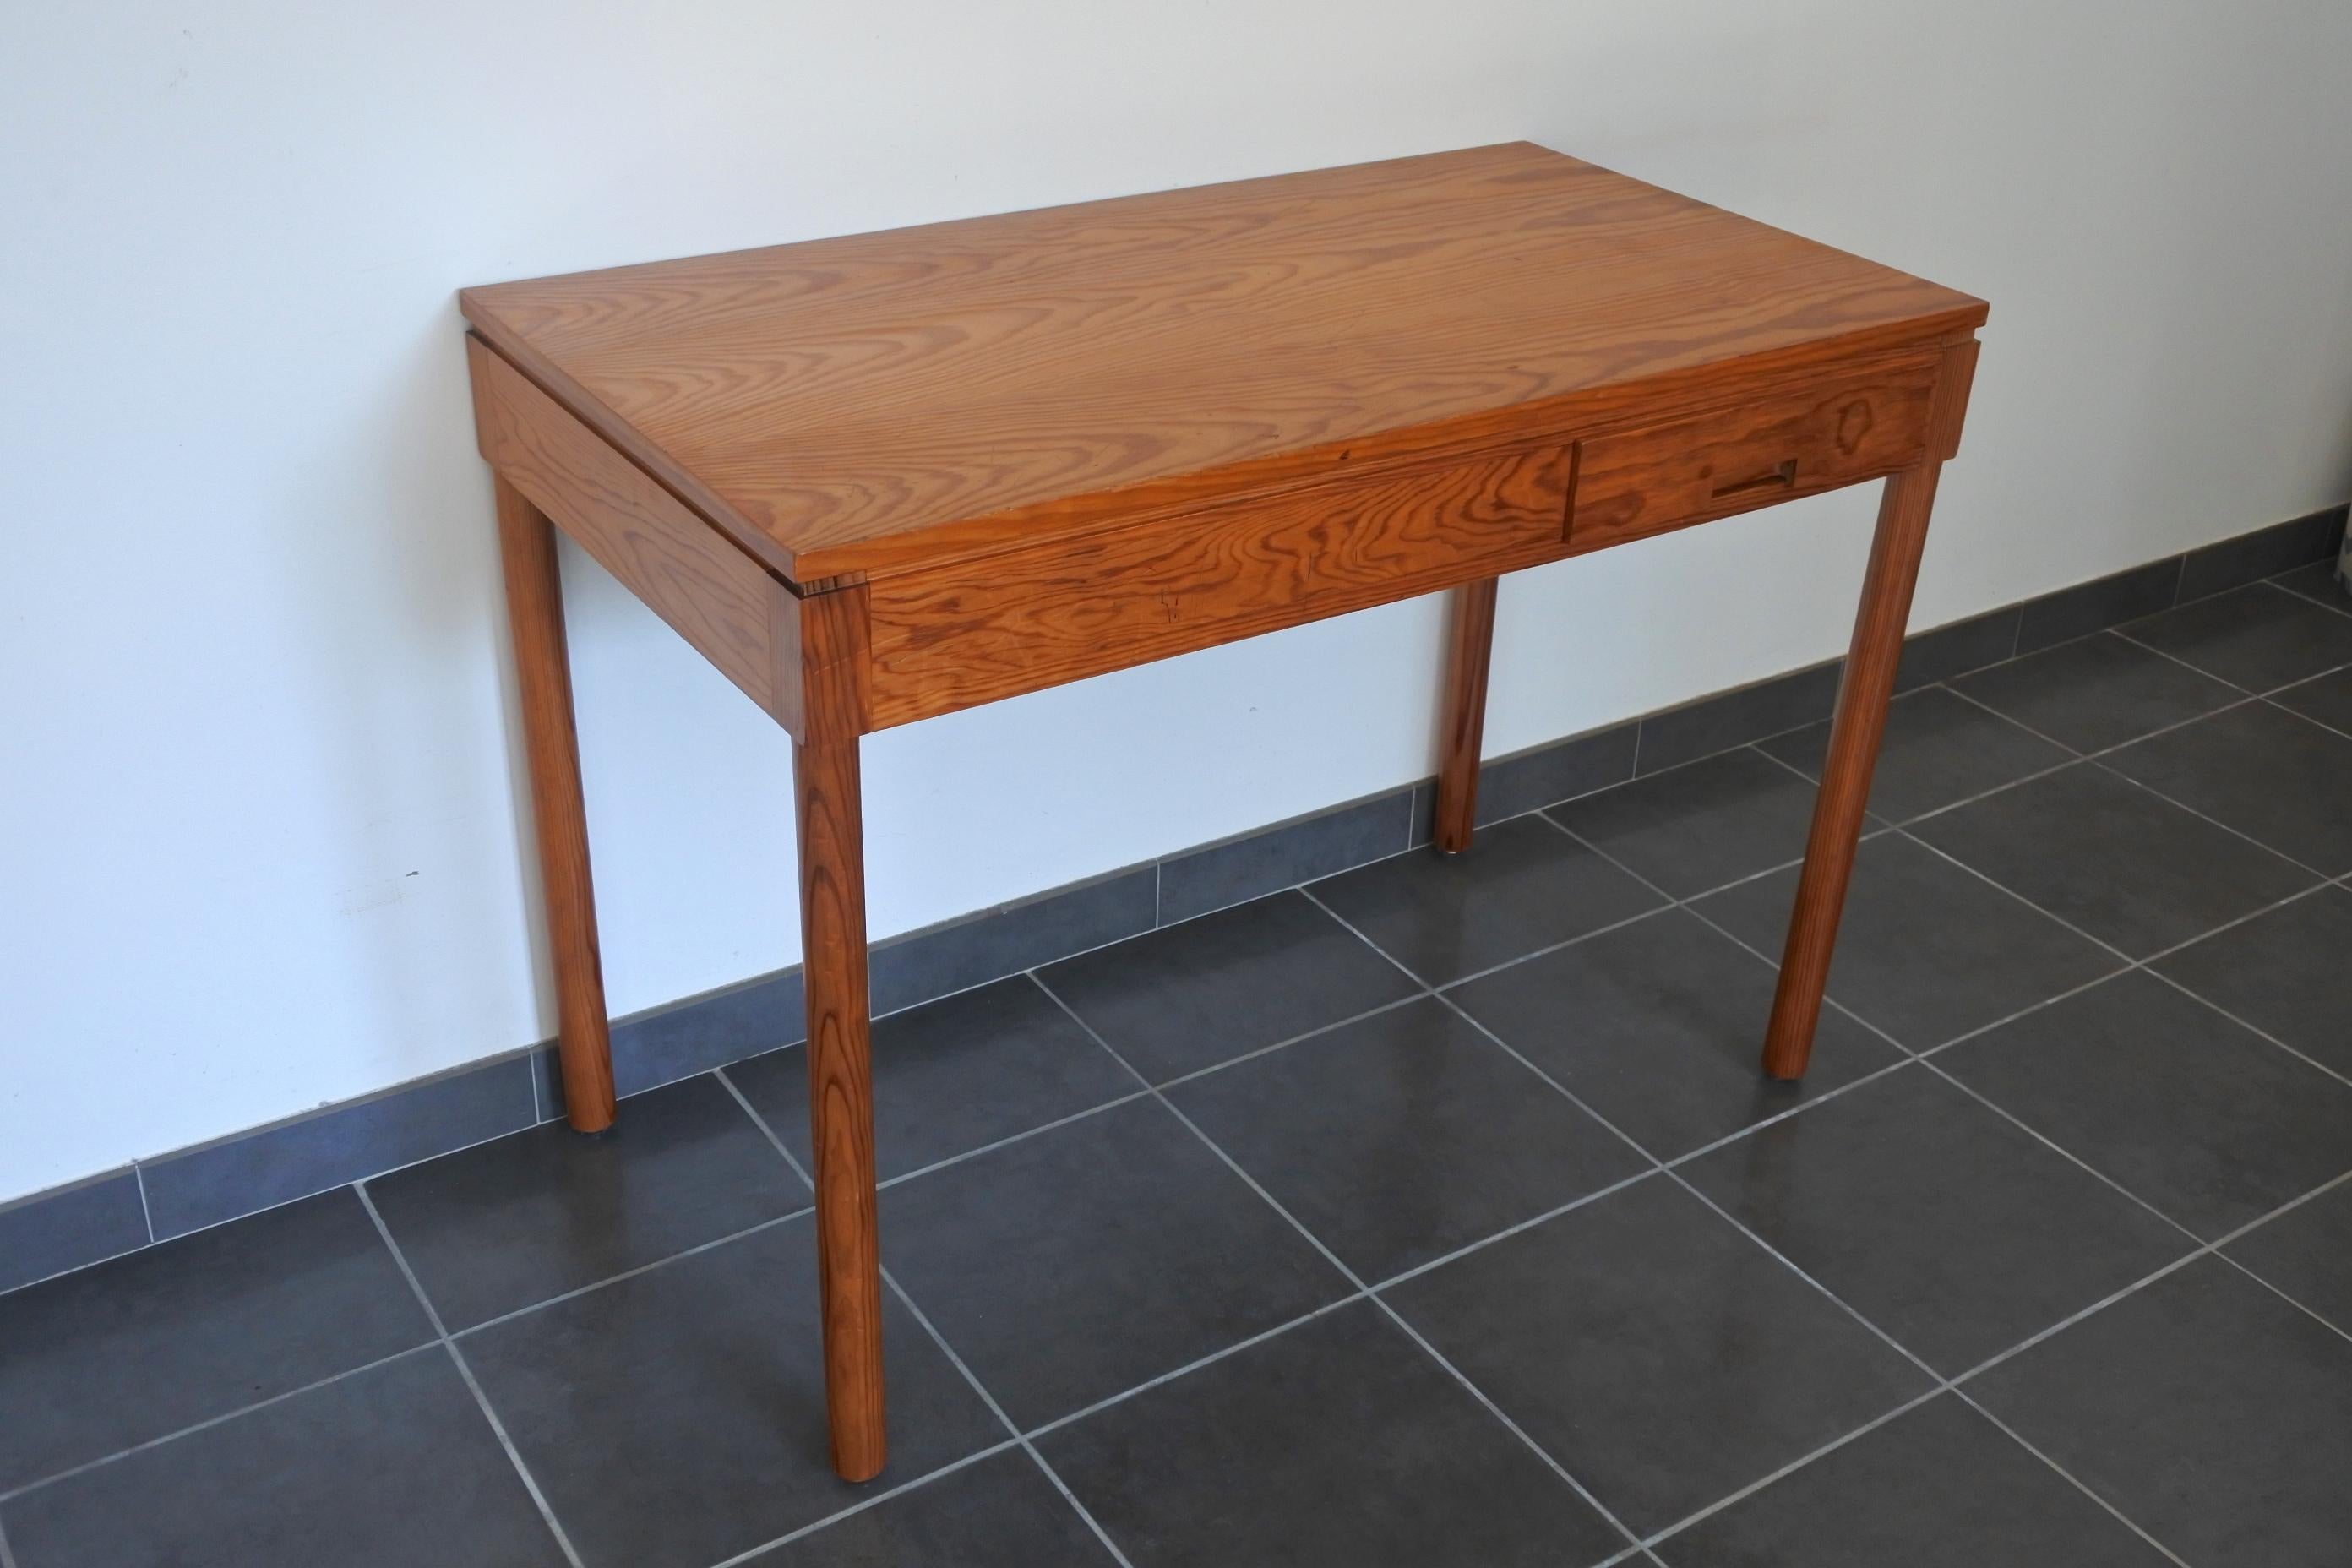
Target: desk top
<point x="864" y="405"/>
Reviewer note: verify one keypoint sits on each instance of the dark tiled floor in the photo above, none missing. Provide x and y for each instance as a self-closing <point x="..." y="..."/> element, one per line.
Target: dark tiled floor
<point x="2043" y="1263"/>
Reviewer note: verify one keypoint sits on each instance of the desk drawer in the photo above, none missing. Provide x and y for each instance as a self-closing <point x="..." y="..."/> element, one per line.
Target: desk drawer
<point x="1041" y="615"/>
<point x="1791" y="443"/>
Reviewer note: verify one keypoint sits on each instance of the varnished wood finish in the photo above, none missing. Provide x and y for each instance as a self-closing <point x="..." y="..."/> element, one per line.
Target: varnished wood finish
<point x="544" y="674"/>
<point x="974" y="632"/>
<point x="1470" y="646"/>
<point x="885" y="477"/>
<point x="729" y="606"/>
<point x="841" y="1097"/>
<point x="1768" y="449"/>
<point x="1864" y="689"/>
<point x="876" y="404"/>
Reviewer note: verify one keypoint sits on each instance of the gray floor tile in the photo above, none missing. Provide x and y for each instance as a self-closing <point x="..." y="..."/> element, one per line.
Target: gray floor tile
<point x="2206" y="1121"/>
<point x="506" y="1225"/>
<point x="1659" y="1025"/>
<point x="389" y="1466"/>
<point x="2099" y="692"/>
<point x="1073" y="1265"/>
<point x="676" y="1417"/>
<point x="2308" y="1253"/>
<point x="2283" y="973"/>
<point x="2319" y="581"/>
<point x="1662" y="1357"/>
<point x="1187" y="996"/>
<point x="1336" y="1443"/>
<point x="1938" y="1487"/>
<point x="2258" y="637"/>
<point x="1401" y="1137"/>
<point x="2327" y="698"/>
<point x="952" y="1076"/>
<point x="2113" y="859"/>
<point x="1939" y="748"/>
<point x="1699" y="826"/>
<point x="2217" y="1416"/>
<point x="1522" y="885"/>
<point x="1926" y="950"/>
<point x="94" y="1362"/>
<point x="2272" y="775"/>
<point x="999" y="1511"/>
<point x="1946" y="1226"/>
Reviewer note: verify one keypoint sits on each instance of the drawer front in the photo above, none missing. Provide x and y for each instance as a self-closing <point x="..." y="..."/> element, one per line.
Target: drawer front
<point x="1027" y="618"/>
<point x="1793" y="442"/>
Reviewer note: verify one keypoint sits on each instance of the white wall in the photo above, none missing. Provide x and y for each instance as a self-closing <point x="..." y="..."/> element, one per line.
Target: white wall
<point x="259" y="836"/>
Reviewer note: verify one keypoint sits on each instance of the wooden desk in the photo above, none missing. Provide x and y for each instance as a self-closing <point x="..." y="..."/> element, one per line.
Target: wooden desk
<point x="895" y="474"/>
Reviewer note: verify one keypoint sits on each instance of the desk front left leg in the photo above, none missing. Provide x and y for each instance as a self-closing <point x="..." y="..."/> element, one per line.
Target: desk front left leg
<point x="1863" y="691"/>
<point x="841" y="1097"/>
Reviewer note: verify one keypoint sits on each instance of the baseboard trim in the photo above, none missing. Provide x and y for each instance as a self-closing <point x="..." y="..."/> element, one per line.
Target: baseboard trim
<point x="120" y="1211"/>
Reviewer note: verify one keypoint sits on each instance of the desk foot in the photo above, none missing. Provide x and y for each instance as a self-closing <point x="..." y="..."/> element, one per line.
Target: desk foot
<point x="841" y="1098"/>
<point x="535" y="622"/>
<point x="1863" y="693"/>
<point x="1468" y="651"/>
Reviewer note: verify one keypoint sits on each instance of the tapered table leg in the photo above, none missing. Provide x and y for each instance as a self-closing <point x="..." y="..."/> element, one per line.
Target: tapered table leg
<point x="841" y="1098"/>
<point x="1470" y="644"/>
<point x="1863" y="693"/>
<point x="535" y="621"/>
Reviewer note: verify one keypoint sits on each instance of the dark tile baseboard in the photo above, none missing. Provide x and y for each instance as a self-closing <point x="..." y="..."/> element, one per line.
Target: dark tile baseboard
<point x="68" y="1227"/>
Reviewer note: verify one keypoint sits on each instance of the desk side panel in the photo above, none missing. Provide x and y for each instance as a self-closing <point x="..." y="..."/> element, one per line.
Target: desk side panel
<point x="734" y="613"/>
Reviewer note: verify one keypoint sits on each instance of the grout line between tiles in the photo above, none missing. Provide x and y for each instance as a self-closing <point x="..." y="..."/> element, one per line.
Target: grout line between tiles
<point x="481" y="1400"/>
<point x="2161" y="653"/>
<point x="1676" y="1176"/>
<point x="139" y="1176"/>
<point x="211" y="1421"/>
<point x="1019" y="1137"/>
<point x="1794" y="1466"/>
<point x="1017" y="1437"/>
<point x="2262" y="1034"/>
<point x="2131" y="964"/>
<point x="330" y="1187"/>
<point x="470" y="1329"/>
<point x="1354" y="1279"/>
<point x="2305" y="1309"/>
<point x="2071" y="1478"/>
<point x="873" y="1500"/>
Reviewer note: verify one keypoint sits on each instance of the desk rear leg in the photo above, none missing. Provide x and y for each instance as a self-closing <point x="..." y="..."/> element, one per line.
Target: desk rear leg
<point x="1470" y="648"/>
<point x="1863" y="694"/>
<point x="535" y="622"/>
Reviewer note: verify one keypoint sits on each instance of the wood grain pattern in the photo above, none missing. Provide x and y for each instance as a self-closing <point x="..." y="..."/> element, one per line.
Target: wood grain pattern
<point x="974" y="632"/>
<point x="1766" y="448"/>
<point x="559" y="813"/>
<point x="841" y="1097"/>
<point x="1469" y="647"/>
<point x="875" y="403"/>
<point x="727" y="604"/>
<point x="1859" y="724"/>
